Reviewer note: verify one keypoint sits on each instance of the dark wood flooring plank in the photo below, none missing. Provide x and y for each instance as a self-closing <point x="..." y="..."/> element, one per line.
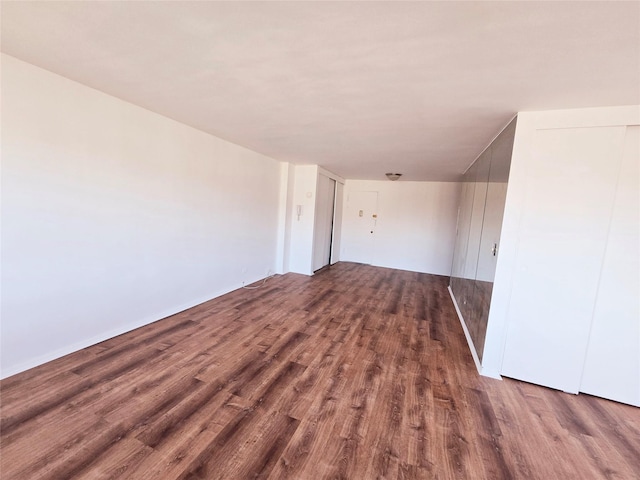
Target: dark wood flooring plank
<point x="182" y="447"/>
<point x="261" y="450"/>
<point x="117" y="462"/>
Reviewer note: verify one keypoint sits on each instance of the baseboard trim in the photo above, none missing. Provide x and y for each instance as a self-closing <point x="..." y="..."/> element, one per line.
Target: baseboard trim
<point x="101" y="337"/>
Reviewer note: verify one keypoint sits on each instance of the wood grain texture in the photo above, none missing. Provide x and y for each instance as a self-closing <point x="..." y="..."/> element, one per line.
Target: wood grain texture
<point x="356" y="373"/>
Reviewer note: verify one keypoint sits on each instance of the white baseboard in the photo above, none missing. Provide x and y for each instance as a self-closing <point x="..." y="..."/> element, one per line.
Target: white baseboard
<point x="101" y="337"/>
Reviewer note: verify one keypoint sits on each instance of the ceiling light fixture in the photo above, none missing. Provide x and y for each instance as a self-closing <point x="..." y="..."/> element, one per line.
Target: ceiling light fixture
<point x="393" y="176"/>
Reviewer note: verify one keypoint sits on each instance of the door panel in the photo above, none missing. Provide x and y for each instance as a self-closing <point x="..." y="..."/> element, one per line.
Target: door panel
<point x="337" y="224"/>
<point x="324" y="222"/>
<point x="359" y="224"/>
<point x="612" y="366"/>
<point x="568" y="201"/>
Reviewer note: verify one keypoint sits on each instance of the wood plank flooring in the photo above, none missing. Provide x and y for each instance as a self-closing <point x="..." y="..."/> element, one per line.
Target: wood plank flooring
<point x="356" y="373"/>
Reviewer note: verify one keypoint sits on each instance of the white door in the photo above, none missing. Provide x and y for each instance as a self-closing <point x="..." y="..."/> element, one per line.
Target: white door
<point x="359" y="226"/>
<point x="337" y="223"/>
<point x="612" y="365"/>
<point x="323" y="228"/>
<point x="569" y="197"/>
<point x="495" y="201"/>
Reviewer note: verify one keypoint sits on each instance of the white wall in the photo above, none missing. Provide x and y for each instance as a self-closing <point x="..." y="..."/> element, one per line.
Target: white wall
<point x="559" y="219"/>
<point x="287" y="184"/>
<point x="415" y="228"/>
<point x="114" y="217"/>
<point x="301" y="235"/>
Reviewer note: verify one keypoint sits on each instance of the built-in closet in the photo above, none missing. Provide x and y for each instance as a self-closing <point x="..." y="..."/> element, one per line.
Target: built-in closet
<point x="546" y="269"/>
<point x="482" y="203"/>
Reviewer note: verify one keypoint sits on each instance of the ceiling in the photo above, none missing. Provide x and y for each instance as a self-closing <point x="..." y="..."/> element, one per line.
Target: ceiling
<point x="360" y="88"/>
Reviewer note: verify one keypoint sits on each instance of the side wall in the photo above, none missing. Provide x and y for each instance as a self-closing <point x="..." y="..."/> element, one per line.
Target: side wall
<point x="416" y="225"/>
<point x="301" y="232"/>
<point x="114" y="217"/>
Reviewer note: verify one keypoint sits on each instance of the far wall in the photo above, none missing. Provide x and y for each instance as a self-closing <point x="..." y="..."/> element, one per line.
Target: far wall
<point x="416" y="225"/>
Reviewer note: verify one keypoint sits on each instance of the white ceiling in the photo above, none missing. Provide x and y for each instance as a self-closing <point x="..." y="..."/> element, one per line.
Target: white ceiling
<point x="360" y="88"/>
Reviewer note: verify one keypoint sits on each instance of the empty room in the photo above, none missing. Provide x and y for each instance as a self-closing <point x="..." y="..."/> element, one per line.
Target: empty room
<point x="320" y="240"/>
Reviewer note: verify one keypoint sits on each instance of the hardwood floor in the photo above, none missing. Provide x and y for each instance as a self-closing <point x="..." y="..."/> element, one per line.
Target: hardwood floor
<point x="356" y="373"/>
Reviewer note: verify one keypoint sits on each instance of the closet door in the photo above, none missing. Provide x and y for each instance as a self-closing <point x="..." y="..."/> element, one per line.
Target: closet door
<point x="480" y="215"/>
<point x="323" y="228"/>
<point x="501" y="150"/>
<point x="612" y="366"/>
<point x="569" y="195"/>
<point x="472" y="307"/>
<point x="461" y="281"/>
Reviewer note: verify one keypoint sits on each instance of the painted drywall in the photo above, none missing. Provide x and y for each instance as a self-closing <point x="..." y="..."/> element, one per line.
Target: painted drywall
<point x="301" y="235"/>
<point x="287" y="184"/>
<point x="114" y="217"/>
<point x="415" y="228"/>
<point x="284" y="220"/>
<point x="559" y="218"/>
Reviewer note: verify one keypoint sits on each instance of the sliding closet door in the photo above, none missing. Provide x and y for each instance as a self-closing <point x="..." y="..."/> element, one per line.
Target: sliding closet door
<point x="612" y="366"/>
<point x="336" y="235"/>
<point x="480" y="215"/>
<point x="569" y="195"/>
<point x="323" y="228"/>
<point x="471" y="308"/>
<point x="461" y="282"/>
<point x="501" y="150"/>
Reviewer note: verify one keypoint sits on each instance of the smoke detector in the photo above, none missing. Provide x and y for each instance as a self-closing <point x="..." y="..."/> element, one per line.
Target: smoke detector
<point x="393" y="176"/>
